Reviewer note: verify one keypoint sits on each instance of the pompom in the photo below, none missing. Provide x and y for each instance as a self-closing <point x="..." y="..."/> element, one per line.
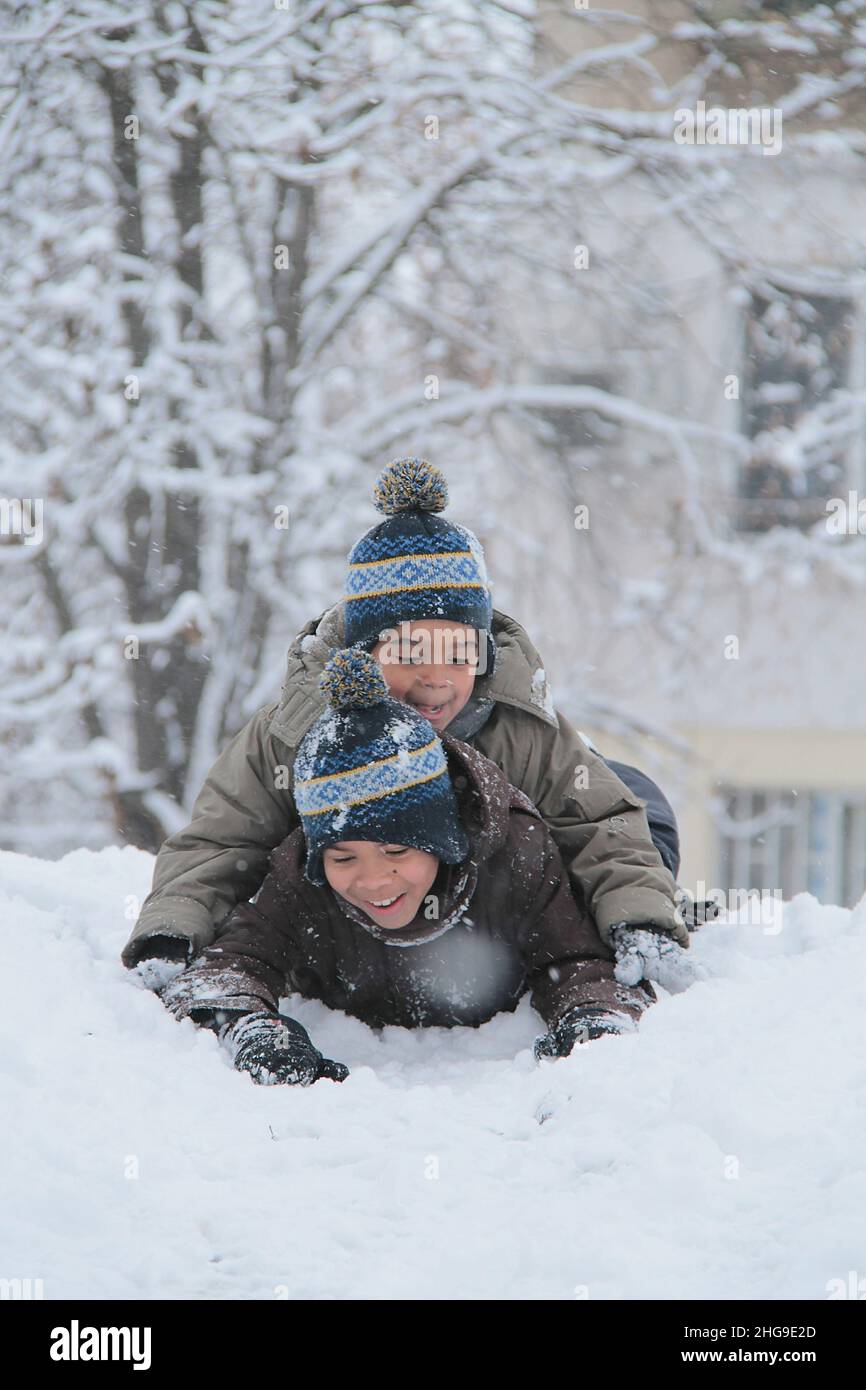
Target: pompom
<point x="353" y="677"/>
<point x="410" y="485"/>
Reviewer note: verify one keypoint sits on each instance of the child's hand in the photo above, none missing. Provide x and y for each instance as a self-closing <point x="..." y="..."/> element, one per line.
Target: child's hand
<point x="160" y="960"/>
<point x="581" y="1024"/>
<point x="276" y="1051"/>
<point x="648" y="953"/>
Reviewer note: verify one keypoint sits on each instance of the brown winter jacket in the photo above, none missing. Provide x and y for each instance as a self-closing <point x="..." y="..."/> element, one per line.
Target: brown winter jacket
<point x="246" y="808"/>
<point x="502" y="922"/>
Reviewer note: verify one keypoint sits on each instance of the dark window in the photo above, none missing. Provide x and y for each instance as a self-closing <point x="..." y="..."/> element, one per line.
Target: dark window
<point x="797" y="363"/>
<point x="807" y="842"/>
<point x="579" y="433"/>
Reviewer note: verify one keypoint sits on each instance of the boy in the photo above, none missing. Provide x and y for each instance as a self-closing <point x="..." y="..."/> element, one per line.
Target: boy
<point x="417" y="569"/>
<point x="406" y="841"/>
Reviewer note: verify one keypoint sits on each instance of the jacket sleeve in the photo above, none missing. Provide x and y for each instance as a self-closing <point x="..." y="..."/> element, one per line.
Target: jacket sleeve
<point x="601" y="830"/>
<point x="566" y="962"/>
<point x="247" y="965"/>
<point x="221" y="857"/>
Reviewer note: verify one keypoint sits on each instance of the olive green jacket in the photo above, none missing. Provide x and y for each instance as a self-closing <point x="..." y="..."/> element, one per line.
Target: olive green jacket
<point x="246" y="808"/>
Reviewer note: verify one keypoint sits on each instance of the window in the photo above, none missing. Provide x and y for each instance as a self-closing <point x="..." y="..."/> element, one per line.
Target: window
<point x="795" y="409"/>
<point x="807" y="842"/>
<point x="580" y="434"/>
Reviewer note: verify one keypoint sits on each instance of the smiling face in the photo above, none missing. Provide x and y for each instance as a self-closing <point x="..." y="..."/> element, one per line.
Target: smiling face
<point x="370" y="872"/>
<point x="430" y="664"/>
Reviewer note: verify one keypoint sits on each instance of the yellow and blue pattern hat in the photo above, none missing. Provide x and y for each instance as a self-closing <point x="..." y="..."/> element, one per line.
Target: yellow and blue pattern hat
<point x="415" y="565"/>
<point x="373" y="768"/>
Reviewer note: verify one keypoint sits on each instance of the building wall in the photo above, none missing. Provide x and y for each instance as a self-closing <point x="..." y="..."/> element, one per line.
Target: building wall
<point x="631" y="613"/>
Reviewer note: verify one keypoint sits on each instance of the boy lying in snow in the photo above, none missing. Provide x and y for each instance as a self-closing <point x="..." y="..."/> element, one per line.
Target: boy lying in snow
<point x="406" y="841"/>
<point x="419" y="572"/>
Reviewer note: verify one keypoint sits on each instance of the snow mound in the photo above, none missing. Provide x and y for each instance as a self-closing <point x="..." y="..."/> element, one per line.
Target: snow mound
<point x="716" y="1153"/>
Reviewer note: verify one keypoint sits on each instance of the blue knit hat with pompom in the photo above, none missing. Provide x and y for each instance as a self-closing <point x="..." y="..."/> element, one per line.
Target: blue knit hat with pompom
<point x="415" y="565"/>
<point x="372" y="768"/>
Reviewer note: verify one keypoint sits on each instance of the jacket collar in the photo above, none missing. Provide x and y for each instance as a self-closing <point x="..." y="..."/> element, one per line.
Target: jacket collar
<point x="519" y="678"/>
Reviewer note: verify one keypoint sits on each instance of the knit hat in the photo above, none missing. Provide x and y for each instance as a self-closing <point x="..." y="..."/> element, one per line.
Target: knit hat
<point x="372" y="768"/>
<point x="414" y="565"/>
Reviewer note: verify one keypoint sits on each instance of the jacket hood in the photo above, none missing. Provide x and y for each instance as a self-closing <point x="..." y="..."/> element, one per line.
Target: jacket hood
<point x="519" y="678"/>
<point x="485" y="798"/>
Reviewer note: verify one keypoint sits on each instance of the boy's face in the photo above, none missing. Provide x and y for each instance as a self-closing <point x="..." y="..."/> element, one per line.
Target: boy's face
<point x="367" y="872"/>
<point x="430" y="664"/>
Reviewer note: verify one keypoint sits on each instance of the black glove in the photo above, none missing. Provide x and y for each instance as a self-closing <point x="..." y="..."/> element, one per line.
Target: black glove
<point x="163" y="948"/>
<point x="160" y="959"/>
<point x="581" y="1024"/>
<point x="276" y="1051"/>
<point x="695" y="914"/>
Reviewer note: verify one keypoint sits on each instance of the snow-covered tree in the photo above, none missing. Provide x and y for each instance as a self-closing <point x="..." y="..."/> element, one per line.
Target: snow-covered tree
<point x="252" y="250"/>
<point x="209" y="210"/>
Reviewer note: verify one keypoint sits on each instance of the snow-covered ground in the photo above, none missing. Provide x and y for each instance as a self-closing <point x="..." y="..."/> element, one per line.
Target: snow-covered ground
<point x="719" y="1152"/>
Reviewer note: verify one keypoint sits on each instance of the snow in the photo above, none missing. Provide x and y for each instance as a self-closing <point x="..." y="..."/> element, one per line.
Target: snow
<point x="717" y="1152"/>
<point x="403" y="732"/>
<point x="540" y="694"/>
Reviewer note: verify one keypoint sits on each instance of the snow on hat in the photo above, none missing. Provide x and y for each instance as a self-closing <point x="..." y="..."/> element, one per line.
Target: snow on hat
<point x="414" y="565"/>
<point x="372" y="768"/>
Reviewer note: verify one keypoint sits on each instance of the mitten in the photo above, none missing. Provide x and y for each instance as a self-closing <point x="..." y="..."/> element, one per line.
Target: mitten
<point x="581" y="1024"/>
<point x="277" y="1051"/>
<point x="161" y="959"/>
<point x="650" y="953"/>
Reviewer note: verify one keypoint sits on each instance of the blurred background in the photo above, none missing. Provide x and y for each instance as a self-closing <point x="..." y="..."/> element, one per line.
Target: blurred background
<point x="605" y="268"/>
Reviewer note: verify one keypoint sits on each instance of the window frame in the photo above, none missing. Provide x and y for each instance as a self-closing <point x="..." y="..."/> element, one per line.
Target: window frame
<point x="840" y="284"/>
